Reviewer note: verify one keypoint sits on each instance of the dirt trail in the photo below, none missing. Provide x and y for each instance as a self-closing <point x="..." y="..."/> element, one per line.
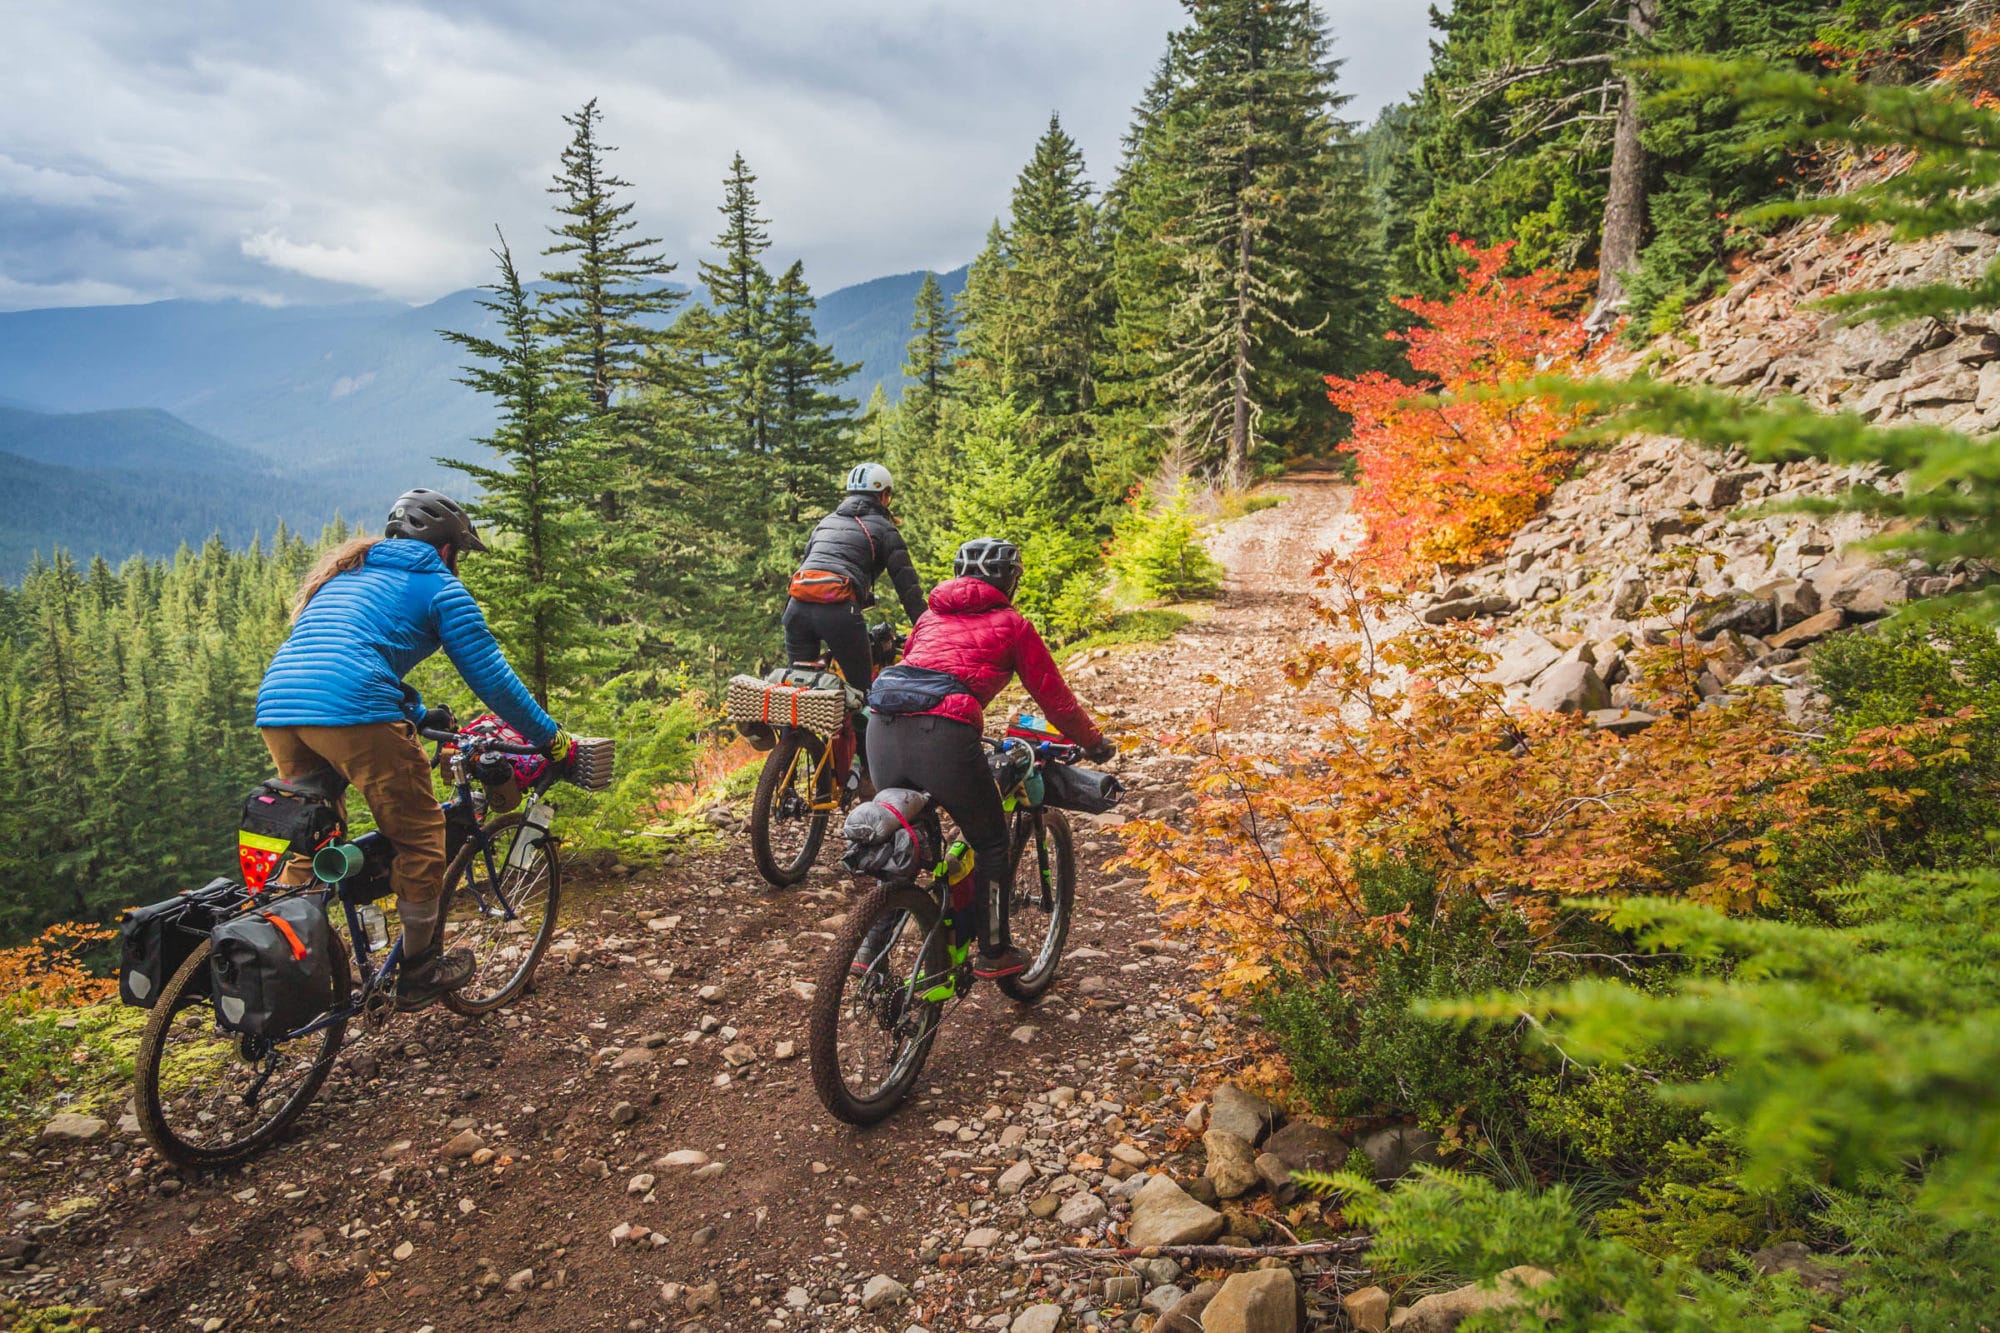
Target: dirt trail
<point x="670" y="967"/>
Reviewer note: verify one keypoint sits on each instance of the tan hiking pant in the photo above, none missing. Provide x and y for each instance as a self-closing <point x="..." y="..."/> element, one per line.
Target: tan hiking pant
<point x="386" y="763"/>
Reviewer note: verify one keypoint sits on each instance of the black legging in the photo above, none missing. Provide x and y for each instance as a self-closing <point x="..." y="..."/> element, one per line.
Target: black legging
<point x="844" y="631"/>
<point x="944" y="757"/>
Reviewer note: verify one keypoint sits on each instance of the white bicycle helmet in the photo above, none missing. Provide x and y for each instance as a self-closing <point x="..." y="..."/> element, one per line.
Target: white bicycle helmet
<point x="869" y="479"/>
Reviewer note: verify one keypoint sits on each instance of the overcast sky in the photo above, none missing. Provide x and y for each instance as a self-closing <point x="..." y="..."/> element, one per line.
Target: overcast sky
<point x="316" y="149"/>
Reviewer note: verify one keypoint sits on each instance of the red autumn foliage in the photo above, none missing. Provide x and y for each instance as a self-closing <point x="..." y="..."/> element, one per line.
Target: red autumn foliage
<point x="1447" y="481"/>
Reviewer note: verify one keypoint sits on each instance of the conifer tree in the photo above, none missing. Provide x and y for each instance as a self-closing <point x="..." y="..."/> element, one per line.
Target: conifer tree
<point x="929" y="365"/>
<point x="810" y="421"/>
<point x="545" y="580"/>
<point x="1267" y="220"/>
<point x="605" y="303"/>
<point x="739" y="318"/>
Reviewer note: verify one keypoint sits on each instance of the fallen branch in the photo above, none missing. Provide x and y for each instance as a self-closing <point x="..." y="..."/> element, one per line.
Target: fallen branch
<point x="1214" y="1253"/>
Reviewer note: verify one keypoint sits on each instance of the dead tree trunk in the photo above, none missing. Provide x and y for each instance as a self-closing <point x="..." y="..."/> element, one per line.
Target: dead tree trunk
<point x="1625" y="201"/>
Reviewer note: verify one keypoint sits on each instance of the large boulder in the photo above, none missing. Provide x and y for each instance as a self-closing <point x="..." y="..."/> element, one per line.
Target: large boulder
<point x="1448" y="1309"/>
<point x="1744" y="612"/>
<point x="1873" y="595"/>
<point x="1467" y="608"/>
<point x="1232" y="1163"/>
<point x="1163" y="1214"/>
<point x="1393" y="1151"/>
<point x="1304" y="1146"/>
<point x="1571" y="686"/>
<point x="1244" y="1114"/>
<point x="1265" y="1300"/>
<point x="1810" y="630"/>
<point x="1526" y="657"/>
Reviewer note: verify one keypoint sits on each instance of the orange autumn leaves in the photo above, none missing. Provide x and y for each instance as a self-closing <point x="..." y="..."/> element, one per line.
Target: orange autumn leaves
<point x="1448" y="480"/>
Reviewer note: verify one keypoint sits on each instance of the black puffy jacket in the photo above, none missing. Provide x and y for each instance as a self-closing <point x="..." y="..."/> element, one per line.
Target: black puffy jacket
<point x="860" y="540"/>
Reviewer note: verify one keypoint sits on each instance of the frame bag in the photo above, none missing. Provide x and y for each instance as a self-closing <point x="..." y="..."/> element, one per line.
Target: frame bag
<point x="1067" y="787"/>
<point x="273" y="968"/>
<point x="154" y="941"/>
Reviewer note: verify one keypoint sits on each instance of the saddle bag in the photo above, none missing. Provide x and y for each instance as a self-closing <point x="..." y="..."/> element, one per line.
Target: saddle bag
<point x="903" y="688"/>
<point x="884" y="838"/>
<point x="282" y="818"/>
<point x="153" y="941"/>
<point x="1067" y="787"/>
<point x="272" y="967"/>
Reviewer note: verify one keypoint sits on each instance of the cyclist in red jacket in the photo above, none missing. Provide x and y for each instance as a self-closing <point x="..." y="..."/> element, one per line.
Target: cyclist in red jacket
<point x="929" y="714"/>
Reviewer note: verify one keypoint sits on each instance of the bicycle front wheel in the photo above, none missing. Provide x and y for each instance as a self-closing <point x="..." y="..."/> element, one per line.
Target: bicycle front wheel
<point x="875" y="1011"/>
<point x="1044" y="899"/>
<point x="209" y="1098"/>
<point x="504" y="915"/>
<point x="785" y="830"/>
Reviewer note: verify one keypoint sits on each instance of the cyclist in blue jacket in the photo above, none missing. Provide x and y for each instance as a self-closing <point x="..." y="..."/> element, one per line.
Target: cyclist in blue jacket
<point x="334" y="699"/>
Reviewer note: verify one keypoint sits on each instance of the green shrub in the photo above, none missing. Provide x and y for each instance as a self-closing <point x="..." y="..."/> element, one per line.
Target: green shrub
<point x="1157" y="551"/>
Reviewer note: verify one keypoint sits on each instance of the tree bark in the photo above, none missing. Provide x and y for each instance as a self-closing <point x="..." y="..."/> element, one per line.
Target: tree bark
<point x="1625" y="201"/>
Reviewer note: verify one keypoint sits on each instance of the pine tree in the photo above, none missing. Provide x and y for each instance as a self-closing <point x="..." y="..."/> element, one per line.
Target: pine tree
<point x="604" y="307"/>
<point x="545" y="582"/>
<point x="739" y="319"/>
<point x="810" y="421"/>
<point x="929" y="364"/>
<point x="1268" y="223"/>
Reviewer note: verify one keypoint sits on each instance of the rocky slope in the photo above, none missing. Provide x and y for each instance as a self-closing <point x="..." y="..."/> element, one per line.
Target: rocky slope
<point x="1577" y="590"/>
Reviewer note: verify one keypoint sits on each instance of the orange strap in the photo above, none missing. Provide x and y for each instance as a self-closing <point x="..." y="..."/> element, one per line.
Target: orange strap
<point x="796" y="691"/>
<point x="285" y="929"/>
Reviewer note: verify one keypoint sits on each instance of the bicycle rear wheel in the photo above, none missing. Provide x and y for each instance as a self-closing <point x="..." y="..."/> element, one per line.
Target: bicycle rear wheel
<point x="785" y="833"/>
<point x="209" y="1098"/>
<point x="505" y="924"/>
<point x="1043" y="902"/>
<point x="872" y="1030"/>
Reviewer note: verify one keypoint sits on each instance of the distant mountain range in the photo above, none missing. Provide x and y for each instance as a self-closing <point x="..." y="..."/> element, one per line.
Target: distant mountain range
<point x="132" y="429"/>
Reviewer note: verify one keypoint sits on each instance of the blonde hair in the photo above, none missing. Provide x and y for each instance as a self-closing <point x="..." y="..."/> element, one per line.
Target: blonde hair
<point x="342" y="559"/>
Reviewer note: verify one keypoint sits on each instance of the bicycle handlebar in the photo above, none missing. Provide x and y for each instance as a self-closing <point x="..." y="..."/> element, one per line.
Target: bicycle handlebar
<point x="468" y="742"/>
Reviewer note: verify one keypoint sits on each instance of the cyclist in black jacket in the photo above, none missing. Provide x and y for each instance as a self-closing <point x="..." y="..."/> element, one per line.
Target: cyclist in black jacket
<point x="848" y="551"/>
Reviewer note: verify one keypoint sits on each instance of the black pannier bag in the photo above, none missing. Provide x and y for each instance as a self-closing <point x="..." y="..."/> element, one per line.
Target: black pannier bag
<point x="153" y="941"/>
<point x="1068" y="787"/>
<point x="903" y="688"/>
<point x="273" y="967"/>
<point x="282" y="817"/>
<point x="884" y="838"/>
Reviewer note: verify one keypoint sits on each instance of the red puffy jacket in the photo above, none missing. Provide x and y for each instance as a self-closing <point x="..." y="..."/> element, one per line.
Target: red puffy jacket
<point x="973" y="632"/>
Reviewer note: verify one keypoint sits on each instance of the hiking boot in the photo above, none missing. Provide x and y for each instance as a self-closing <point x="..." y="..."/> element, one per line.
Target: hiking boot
<point x="426" y="979"/>
<point x="1008" y="962"/>
<point x="874" y="944"/>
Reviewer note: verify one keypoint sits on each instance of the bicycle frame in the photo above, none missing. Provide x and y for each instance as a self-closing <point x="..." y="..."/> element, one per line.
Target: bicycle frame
<point x="461" y="823"/>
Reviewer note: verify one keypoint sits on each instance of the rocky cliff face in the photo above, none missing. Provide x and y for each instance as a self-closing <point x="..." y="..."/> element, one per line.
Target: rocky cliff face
<point x="1656" y="520"/>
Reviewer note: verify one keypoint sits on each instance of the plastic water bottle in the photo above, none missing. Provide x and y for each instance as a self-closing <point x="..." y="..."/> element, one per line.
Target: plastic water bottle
<point x="375" y="925"/>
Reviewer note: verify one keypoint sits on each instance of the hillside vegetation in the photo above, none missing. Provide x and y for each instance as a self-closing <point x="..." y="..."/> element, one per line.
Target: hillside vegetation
<point x="1577" y="836"/>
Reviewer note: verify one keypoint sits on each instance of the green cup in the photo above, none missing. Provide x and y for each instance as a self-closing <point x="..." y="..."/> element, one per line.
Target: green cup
<point x="336" y="861"/>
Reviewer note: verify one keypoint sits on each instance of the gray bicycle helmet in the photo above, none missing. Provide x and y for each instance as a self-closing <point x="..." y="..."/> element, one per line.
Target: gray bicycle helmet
<point x="991" y="560"/>
<point x="434" y="517"/>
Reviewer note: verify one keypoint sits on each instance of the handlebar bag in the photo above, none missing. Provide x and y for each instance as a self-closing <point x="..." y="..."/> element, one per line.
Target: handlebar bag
<point x="1067" y="787"/>
<point x="272" y="967"/>
<point x="884" y="838"/>
<point x="153" y="941"/>
<point x="528" y="768"/>
<point x="903" y="688"/>
<point x="281" y="818"/>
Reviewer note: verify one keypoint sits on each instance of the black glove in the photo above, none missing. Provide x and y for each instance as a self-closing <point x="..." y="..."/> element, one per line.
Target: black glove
<point x="440" y="718"/>
<point x="1102" y="752"/>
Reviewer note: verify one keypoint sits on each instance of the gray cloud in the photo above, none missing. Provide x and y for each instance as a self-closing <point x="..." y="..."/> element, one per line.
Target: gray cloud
<point x="320" y="148"/>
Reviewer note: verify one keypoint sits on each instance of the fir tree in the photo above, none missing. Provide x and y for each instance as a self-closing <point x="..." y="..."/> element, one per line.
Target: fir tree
<point x="810" y="421"/>
<point x="604" y="306"/>
<point x="739" y="319"/>
<point x="546" y="580"/>
<point x="929" y="364"/>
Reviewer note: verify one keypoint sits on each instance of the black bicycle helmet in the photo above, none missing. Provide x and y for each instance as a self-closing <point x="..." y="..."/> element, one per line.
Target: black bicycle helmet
<point x="990" y="560"/>
<point x="434" y="517"/>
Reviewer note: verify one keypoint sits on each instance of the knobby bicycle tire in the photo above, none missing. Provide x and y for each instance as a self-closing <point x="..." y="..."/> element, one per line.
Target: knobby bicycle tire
<point x="1030" y="986"/>
<point x="466" y="862"/>
<point x="823" y="1038"/>
<point x="152" y="1044"/>
<point x="793" y="746"/>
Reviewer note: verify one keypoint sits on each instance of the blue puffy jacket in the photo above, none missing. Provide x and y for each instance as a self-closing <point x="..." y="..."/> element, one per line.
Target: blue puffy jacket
<point x="344" y="662"/>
